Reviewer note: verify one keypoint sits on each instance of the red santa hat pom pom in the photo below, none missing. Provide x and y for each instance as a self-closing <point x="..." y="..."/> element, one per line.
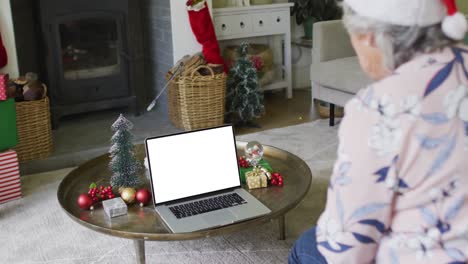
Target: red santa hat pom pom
<point x="454" y="25"/>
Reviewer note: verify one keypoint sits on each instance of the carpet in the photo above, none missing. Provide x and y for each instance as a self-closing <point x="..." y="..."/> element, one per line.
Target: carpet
<point x="36" y="230"/>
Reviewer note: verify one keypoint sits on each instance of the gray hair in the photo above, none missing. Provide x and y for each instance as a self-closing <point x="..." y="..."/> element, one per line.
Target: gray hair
<point x="399" y="44"/>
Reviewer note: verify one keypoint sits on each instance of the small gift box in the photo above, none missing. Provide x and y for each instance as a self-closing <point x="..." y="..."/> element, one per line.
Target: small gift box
<point x="262" y="163"/>
<point x="256" y="179"/>
<point x="3" y="86"/>
<point x="10" y="183"/>
<point x="114" y="207"/>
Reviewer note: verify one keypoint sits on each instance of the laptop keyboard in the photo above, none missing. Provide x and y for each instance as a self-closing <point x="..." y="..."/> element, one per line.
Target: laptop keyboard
<point x="207" y="205"/>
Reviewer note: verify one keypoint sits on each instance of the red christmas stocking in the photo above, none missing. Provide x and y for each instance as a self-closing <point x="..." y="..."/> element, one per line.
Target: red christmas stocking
<point x="203" y="29"/>
<point x="3" y="54"/>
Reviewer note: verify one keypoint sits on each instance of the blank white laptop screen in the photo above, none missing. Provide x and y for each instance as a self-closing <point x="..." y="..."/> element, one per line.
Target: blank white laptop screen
<point x="192" y="163"/>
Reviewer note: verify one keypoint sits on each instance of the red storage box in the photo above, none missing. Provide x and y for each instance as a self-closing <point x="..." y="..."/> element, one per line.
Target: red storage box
<point x="10" y="183"/>
<point x="3" y="86"/>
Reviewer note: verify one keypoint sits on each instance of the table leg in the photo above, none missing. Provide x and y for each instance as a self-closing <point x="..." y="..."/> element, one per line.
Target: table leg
<point x="332" y="115"/>
<point x="281" y="226"/>
<point x="139" y="251"/>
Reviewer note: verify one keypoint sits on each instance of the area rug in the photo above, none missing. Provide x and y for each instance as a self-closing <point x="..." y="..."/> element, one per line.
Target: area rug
<point x="36" y="230"/>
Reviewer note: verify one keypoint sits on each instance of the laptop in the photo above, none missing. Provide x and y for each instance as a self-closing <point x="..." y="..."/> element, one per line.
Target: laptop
<point x="195" y="180"/>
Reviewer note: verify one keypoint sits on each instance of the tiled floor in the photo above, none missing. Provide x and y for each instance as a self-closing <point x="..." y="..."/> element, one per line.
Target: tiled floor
<point x="82" y="137"/>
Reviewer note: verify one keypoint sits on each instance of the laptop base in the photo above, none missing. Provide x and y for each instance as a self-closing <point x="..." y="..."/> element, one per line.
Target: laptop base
<point x="253" y="208"/>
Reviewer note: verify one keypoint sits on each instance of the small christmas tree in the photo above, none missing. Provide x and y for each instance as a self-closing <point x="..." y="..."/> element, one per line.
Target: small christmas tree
<point x="244" y="100"/>
<point x="124" y="165"/>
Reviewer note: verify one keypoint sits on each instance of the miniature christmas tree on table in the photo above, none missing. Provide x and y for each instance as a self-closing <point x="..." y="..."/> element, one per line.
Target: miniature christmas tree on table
<point x="244" y="100"/>
<point x="124" y="165"/>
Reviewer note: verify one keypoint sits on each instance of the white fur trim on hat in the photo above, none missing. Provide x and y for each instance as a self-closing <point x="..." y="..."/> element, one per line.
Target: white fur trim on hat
<point x="455" y="26"/>
<point x="401" y="12"/>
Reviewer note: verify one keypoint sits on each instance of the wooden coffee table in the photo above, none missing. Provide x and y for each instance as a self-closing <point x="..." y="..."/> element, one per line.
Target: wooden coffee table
<point x="142" y="224"/>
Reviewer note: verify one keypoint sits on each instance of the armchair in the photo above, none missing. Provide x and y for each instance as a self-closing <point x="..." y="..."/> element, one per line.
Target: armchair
<point x="336" y="75"/>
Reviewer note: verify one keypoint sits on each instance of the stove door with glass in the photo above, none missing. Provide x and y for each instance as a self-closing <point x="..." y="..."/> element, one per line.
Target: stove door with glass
<point x="89" y="58"/>
<point x="89" y="54"/>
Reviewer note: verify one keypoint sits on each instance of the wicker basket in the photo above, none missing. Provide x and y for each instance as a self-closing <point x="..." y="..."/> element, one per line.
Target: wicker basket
<point x="34" y="129"/>
<point x="196" y="101"/>
<point x="324" y="110"/>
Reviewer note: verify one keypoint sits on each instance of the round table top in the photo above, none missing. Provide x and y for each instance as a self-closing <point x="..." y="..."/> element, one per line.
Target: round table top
<point x="145" y="223"/>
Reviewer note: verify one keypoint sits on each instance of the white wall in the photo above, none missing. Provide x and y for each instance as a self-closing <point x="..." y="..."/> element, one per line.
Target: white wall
<point x="183" y="40"/>
<point x="301" y="56"/>
<point x="8" y="37"/>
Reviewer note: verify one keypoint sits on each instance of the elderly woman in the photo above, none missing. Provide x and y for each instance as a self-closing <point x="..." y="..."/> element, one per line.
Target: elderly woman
<point x="399" y="189"/>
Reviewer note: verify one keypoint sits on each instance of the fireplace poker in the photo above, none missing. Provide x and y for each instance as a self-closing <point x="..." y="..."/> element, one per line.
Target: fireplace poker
<point x="153" y="103"/>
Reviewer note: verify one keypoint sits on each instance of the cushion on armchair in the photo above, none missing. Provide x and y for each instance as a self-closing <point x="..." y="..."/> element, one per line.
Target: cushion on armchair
<point x="341" y="74"/>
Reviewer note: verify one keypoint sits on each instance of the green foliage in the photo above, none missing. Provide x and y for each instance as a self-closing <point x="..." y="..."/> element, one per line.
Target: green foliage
<point x="124" y="165"/>
<point x="320" y="10"/>
<point x="244" y="100"/>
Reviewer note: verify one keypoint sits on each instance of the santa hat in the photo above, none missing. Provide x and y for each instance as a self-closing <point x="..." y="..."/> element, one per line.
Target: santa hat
<point x="454" y="25"/>
<point x="415" y="13"/>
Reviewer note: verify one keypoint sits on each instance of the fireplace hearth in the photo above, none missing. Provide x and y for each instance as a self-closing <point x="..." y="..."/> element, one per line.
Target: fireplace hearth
<point x="93" y="54"/>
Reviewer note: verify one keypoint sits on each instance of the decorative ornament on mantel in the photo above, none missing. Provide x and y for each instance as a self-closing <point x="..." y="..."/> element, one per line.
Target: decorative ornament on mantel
<point x="123" y="164"/>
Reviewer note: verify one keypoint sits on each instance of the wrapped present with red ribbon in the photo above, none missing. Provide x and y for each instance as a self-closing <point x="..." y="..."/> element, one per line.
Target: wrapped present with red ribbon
<point x="3" y="86"/>
<point x="10" y="183"/>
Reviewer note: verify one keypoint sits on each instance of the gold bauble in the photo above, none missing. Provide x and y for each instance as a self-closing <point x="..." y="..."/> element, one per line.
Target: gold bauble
<point x="128" y="195"/>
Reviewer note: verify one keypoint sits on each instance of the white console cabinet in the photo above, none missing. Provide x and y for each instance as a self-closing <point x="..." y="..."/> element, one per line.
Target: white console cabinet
<point x="260" y="21"/>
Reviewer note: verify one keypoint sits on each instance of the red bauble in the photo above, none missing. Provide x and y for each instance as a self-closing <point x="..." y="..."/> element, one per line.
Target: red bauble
<point x="143" y="196"/>
<point x="84" y="201"/>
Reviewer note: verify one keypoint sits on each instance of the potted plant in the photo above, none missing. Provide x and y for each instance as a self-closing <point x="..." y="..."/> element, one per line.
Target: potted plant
<point x="311" y="11"/>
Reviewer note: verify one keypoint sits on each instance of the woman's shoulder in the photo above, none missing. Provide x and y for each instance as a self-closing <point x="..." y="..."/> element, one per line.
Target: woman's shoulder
<point x="428" y="78"/>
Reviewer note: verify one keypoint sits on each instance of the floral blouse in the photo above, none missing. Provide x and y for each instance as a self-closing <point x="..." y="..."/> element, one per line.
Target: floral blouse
<point x="399" y="188"/>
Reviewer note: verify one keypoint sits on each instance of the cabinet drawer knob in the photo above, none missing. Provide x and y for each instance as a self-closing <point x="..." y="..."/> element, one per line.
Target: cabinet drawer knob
<point x="278" y="19"/>
<point x="223" y="26"/>
<point x="242" y="25"/>
<point x="260" y="22"/>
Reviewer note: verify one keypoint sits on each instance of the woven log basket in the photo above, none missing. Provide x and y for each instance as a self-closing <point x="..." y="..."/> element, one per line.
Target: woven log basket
<point x="34" y="129"/>
<point x="197" y="101"/>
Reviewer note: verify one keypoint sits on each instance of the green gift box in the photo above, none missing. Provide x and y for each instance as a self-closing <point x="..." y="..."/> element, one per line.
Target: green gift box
<point x="262" y="163"/>
<point x="8" y="132"/>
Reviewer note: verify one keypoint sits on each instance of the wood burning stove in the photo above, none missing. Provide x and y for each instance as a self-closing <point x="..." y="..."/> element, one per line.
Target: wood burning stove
<point x="93" y="51"/>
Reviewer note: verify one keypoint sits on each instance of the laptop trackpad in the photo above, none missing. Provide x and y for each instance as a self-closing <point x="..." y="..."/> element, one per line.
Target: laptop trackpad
<point x="219" y="217"/>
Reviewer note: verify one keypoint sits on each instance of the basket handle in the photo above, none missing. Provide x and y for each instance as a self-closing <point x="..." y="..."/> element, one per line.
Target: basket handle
<point x="44" y="95"/>
<point x="203" y="67"/>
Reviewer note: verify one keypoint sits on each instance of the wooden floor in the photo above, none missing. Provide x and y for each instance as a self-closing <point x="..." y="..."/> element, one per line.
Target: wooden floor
<point x="282" y="112"/>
